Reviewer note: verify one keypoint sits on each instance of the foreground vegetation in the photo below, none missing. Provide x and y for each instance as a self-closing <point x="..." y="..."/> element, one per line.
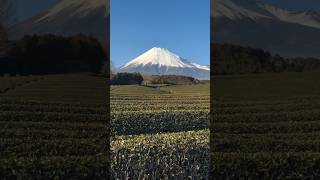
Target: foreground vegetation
<point x="53" y="127"/>
<point x="266" y="126"/>
<point x="263" y="126"/>
<point x="165" y="155"/>
<point x="160" y="133"/>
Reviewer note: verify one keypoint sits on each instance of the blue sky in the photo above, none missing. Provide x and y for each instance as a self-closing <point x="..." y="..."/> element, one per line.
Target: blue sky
<point x="182" y="26"/>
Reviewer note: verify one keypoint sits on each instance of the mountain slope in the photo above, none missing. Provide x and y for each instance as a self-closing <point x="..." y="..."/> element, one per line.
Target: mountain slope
<point x="160" y="61"/>
<point x="257" y="24"/>
<point x="257" y="10"/>
<point x="67" y="18"/>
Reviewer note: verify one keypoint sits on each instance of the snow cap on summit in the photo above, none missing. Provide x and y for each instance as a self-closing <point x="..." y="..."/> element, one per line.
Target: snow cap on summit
<point x="159" y="61"/>
<point x="159" y="56"/>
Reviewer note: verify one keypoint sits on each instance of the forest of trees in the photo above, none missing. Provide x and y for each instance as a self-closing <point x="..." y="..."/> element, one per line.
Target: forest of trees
<point x="126" y="79"/>
<point x="51" y="54"/>
<point x="173" y="79"/>
<point x="233" y="59"/>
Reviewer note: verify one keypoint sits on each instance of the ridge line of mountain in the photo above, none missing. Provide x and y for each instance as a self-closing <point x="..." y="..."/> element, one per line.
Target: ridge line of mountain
<point x="161" y="61"/>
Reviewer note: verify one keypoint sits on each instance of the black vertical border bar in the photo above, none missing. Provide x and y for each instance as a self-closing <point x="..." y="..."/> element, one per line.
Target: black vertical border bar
<point x="108" y="120"/>
<point x="211" y="162"/>
<point x="215" y="55"/>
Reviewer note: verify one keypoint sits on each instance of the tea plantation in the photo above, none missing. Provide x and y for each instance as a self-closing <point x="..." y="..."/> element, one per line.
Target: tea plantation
<point x="266" y="126"/>
<point x="53" y="127"/>
<point x="160" y="133"/>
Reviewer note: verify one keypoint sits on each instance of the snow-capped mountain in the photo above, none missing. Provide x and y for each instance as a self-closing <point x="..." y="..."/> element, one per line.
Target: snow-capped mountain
<point x="82" y="8"/>
<point x="68" y="17"/>
<point x="306" y="18"/>
<point x="160" y="61"/>
<point x="237" y="9"/>
<point x="258" y="24"/>
<point x="255" y="10"/>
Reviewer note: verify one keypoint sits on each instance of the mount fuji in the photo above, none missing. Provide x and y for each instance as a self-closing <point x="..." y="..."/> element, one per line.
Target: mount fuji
<point x="160" y="61"/>
<point x="258" y="24"/>
<point x="67" y="18"/>
<point x="257" y="10"/>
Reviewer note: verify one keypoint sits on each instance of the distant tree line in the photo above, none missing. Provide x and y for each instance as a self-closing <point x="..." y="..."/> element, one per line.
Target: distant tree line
<point x="126" y="79"/>
<point x="174" y="80"/>
<point x="137" y="78"/>
<point x="233" y="59"/>
<point x="51" y="54"/>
